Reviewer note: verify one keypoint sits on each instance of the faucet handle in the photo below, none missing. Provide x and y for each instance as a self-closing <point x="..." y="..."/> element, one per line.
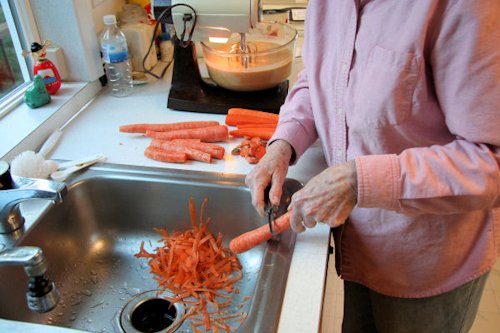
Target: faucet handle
<point x="5" y="178"/>
<point x="26" y="189"/>
<point x="45" y="188"/>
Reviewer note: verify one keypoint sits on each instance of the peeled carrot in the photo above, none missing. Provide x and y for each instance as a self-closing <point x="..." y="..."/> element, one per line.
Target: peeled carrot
<point x="251" y="239"/>
<point x="263" y="133"/>
<point x="215" y="150"/>
<point x="237" y="116"/>
<point x="142" y="128"/>
<point x="165" y="156"/>
<point x="192" y="154"/>
<point x="205" y="134"/>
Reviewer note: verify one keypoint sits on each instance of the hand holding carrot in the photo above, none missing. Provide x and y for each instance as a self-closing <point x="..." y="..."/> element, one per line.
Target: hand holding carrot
<point x="271" y="169"/>
<point x="328" y="197"/>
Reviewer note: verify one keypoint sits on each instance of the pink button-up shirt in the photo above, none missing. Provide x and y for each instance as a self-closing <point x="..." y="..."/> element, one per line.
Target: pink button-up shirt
<point x="411" y="91"/>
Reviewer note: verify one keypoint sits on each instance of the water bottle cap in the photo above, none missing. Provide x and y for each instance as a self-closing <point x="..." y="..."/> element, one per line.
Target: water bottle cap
<point x="164" y="36"/>
<point x="109" y="19"/>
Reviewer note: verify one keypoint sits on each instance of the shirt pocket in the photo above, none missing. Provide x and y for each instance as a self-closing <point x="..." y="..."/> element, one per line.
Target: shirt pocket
<point x="385" y="93"/>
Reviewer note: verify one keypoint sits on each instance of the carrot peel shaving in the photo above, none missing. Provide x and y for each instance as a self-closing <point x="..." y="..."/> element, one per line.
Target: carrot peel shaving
<point x="195" y="266"/>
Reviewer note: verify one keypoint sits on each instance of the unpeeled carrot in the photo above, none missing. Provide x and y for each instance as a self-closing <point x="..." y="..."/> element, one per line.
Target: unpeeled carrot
<point x="142" y="128"/>
<point x="256" y="125"/>
<point x="205" y="134"/>
<point x="192" y="154"/>
<point x="251" y="239"/>
<point x="263" y="133"/>
<point x="237" y="116"/>
<point x="165" y="156"/>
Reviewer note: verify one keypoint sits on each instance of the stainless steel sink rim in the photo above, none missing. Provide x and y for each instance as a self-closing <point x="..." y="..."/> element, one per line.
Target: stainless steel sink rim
<point x="137" y="300"/>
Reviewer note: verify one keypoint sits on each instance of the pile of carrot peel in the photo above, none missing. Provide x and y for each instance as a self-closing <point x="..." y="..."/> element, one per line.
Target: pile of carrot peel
<point x="194" y="265"/>
<point x="251" y="149"/>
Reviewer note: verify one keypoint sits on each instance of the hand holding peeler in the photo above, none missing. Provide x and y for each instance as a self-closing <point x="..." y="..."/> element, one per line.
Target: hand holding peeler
<point x="270" y="209"/>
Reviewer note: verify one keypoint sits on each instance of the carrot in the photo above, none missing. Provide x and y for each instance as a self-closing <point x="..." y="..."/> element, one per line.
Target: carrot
<point x="195" y="265"/>
<point x="206" y="134"/>
<point x="257" y="236"/>
<point x="235" y="120"/>
<point x="192" y="154"/>
<point x="216" y="151"/>
<point x="256" y="125"/>
<point x="165" y="156"/>
<point x="142" y="128"/>
<point x="237" y="116"/>
<point x="263" y="133"/>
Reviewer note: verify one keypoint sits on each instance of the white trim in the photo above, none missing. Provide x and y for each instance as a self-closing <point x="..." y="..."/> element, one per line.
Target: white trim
<point x="34" y="126"/>
<point x="27" y="21"/>
<point x="12" y="100"/>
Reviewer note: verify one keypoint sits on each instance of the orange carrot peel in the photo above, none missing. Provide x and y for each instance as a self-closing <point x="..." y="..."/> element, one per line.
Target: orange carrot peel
<point x="195" y="266"/>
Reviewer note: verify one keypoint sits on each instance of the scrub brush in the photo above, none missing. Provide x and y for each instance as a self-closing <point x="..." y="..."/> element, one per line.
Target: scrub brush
<point x="34" y="165"/>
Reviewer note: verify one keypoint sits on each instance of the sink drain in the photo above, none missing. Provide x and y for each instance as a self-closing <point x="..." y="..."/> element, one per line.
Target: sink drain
<point x="148" y="313"/>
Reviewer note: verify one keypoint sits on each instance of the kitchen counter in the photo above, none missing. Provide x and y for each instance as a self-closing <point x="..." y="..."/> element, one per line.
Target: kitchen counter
<point x="95" y="130"/>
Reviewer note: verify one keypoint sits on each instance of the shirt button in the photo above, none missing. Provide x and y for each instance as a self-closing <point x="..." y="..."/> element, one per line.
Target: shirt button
<point x="340" y="111"/>
<point x="339" y="152"/>
<point x="344" y="67"/>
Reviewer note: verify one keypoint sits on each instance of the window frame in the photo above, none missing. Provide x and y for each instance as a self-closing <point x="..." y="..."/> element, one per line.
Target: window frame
<point x="24" y="128"/>
<point x="22" y="27"/>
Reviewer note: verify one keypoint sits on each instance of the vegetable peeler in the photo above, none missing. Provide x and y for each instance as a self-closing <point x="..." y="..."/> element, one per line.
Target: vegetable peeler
<point x="270" y="209"/>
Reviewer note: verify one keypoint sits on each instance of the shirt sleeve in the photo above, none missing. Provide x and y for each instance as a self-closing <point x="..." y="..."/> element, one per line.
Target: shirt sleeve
<point x="296" y="121"/>
<point x="462" y="175"/>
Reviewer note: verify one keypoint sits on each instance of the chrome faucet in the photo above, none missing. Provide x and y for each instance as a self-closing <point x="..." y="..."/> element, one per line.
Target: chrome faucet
<point x="25" y="189"/>
<point x="42" y="295"/>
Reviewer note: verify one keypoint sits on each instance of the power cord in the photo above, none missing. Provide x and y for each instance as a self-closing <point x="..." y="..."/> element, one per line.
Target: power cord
<point x="186" y="18"/>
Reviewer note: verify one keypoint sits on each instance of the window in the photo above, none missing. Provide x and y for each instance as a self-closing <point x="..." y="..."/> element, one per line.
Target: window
<point x="13" y="67"/>
<point x="10" y="71"/>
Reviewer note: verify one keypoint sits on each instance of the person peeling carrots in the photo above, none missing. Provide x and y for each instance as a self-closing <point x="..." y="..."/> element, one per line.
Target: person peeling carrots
<point x="404" y="97"/>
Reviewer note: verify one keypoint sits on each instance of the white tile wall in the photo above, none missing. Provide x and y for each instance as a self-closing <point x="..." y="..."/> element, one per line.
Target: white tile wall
<point x="487" y="320"/>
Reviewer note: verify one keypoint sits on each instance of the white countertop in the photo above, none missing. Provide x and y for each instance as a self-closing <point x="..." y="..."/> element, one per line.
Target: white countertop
<point x="95" y="130"/>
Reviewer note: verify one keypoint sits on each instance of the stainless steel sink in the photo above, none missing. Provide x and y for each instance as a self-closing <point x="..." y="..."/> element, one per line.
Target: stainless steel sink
<point x="90" y="240"/>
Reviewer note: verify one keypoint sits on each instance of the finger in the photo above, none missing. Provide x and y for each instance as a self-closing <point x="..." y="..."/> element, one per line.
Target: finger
<point x="256" y="187"/>
<point x="276" y="192"/>
<point x="258" y="198"/>
<point x="276" y="188"/>
<point x="308" y="222"/>
<point x="340" y="215"/>
<point x="296" y="222"/>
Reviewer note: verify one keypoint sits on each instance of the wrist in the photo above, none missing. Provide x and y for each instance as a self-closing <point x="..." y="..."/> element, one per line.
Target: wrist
<point x="353" y="178"/>
<point x="282" y="148"/>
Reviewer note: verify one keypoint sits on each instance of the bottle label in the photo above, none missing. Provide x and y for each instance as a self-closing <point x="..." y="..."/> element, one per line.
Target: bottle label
<point x="113" y="53"/>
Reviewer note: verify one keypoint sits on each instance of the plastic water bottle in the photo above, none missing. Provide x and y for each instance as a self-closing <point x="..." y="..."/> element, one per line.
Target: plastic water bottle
<point x="116" y="59"/>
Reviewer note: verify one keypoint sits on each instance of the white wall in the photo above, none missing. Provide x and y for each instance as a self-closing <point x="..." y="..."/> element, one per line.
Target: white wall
<point x="74" y="25"/>
<point x="104" y="7"/>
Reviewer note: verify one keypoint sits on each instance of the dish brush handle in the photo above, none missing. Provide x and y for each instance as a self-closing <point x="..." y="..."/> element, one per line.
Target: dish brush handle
<point x="50" y="143"/>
